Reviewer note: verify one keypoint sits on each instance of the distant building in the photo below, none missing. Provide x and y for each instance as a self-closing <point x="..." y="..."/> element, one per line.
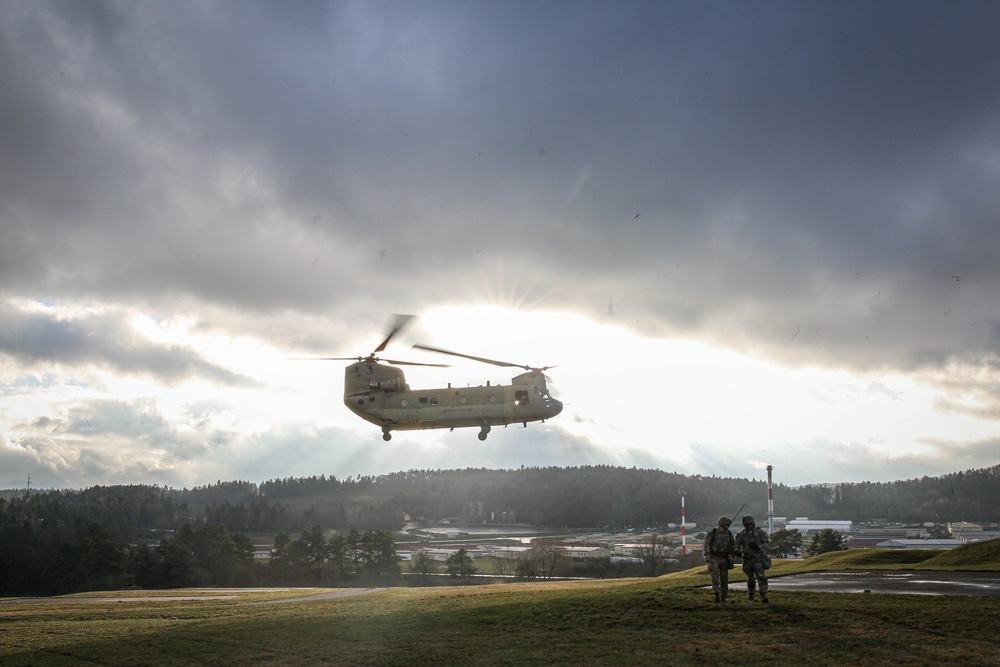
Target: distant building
<point x="963" y="526"/>
<point x="583" y="553"/>
<point x="870" y="537"/>
<point x="444" y="554"/>
<point x="976" y="536"/>
<point x="632" y="560"/>
<point x="971" y="532"/>
<point x="474" y="511"/>
<point x="510" y="553"/>
<point x="805" y="525"/>
<point x="636" y="548"/>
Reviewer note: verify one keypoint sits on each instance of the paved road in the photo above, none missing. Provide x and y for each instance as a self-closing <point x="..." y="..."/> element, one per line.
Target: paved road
<point x="881" y="581"/>
<point x="324" y="596"/>
<point x="871" y="581"/>
<point x="89" y="600"/>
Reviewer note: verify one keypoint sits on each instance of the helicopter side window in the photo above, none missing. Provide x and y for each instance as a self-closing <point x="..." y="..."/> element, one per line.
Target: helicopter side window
<point x="520" y="397"/>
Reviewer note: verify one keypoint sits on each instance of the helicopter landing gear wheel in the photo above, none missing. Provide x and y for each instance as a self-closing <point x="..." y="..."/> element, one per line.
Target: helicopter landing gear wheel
<point x="486" y="431"/>
<point x="385" y="434"/>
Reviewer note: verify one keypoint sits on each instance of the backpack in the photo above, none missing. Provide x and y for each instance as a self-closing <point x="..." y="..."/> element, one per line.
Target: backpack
<point x="715" y="543"/>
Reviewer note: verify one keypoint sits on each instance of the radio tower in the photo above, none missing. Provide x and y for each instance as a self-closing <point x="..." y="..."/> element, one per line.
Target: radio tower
<point x="684" y="532"/>
<point x="770" y="502"/>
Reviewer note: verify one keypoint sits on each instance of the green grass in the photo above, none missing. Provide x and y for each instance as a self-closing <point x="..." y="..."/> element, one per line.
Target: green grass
<point x="669" y="620"/>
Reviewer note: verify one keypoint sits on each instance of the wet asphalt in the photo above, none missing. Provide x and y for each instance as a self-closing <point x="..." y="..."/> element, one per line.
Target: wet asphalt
<point x="881" y="581"/>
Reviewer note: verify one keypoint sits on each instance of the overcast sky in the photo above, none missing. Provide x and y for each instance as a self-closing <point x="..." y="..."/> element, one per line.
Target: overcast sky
<point x="745" y="233"/>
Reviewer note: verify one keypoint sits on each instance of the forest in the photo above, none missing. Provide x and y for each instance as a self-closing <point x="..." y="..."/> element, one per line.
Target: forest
<point x="156" y="537"/>
<point x="578" y="497"/>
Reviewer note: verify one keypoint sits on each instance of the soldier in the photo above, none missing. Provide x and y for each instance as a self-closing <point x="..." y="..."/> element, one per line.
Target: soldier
<point x="719" y="547"/>
<point x="751" y="544"/>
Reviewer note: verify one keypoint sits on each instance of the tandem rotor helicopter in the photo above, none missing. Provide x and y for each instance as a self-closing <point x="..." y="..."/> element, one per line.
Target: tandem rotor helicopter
<point x="377" y="392"/>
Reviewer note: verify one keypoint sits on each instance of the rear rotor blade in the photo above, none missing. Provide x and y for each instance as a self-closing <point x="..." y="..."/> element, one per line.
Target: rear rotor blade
<point x="467" y="356"/>
<point x="394" y="362"/>
<point x="482" y="359"/>
<point x="413" y="363"/>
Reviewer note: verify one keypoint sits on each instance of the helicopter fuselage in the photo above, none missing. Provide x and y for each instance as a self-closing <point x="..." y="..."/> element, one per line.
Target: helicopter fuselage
<point x="379" y="394"/>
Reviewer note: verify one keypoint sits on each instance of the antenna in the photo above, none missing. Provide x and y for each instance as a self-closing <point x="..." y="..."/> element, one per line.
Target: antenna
<point x="684" y="531"/>
<point x="770" y="501"/>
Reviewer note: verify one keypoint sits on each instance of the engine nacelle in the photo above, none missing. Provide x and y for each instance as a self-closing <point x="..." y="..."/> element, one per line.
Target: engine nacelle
<point x="389" y="386"/>
<point x="368" y="376"/>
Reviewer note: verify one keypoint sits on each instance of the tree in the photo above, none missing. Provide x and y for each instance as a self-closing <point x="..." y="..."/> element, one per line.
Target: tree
<point x="423" y="565"/>
<point x="378" y="554"/>
<point x="176" y="564"/>
<point x="317" y="550"/>
<point x="547" y="558"/>
<point x="341" y="565"/>
<point x="826" y="540"/>
<point x="785" y="543"/>
<point x="143" y="566"/>
<point x="460" y="564"/>
<point x="654" y="554"/>
<point x="507" y="566"/>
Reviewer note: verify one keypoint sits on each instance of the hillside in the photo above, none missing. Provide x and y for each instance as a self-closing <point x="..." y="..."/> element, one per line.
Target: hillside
<point x="979" y="556"/>
<point x="670" y="620"/>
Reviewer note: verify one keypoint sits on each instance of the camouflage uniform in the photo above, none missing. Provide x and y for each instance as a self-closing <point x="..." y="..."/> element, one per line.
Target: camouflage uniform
<point x="751" y="542"/>
<point x="719" y="547"/>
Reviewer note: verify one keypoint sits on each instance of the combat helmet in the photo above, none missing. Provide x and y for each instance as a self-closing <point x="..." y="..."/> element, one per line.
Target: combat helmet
<point x="725" y="520"/>
<point x="748" y="520"/>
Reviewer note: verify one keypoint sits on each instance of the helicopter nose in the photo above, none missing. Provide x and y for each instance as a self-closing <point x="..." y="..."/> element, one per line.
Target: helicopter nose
<point x="555" y="406"/>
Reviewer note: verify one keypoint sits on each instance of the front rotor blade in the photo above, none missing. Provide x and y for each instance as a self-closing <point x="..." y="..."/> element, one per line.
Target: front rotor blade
<point x="398" y="323"/>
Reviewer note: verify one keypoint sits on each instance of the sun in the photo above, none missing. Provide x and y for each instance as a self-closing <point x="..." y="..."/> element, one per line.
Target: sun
<point x="625" y="391"/>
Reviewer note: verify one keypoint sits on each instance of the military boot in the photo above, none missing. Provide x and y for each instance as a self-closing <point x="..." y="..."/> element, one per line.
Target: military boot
<point x="763" y="598"/>
<point x="718" y="598"/>
<point x="751" y="596"/>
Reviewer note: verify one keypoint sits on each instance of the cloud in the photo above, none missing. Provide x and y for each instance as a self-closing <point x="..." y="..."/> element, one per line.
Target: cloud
<point x="103" y="339"/>
<point x="814" y="188"/>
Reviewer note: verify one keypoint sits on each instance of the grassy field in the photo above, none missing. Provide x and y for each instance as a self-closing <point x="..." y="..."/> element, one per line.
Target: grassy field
<point x="669" y="620"/>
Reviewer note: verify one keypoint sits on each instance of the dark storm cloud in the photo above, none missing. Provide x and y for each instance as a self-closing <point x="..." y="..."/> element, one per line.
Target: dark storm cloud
<point x="769" y="168"/>
<point x="814" y="184"/>
<point x="104" y="340"/>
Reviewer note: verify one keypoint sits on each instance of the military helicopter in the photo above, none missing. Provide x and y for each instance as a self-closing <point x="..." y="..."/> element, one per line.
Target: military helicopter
<point x="377" y="392"/>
